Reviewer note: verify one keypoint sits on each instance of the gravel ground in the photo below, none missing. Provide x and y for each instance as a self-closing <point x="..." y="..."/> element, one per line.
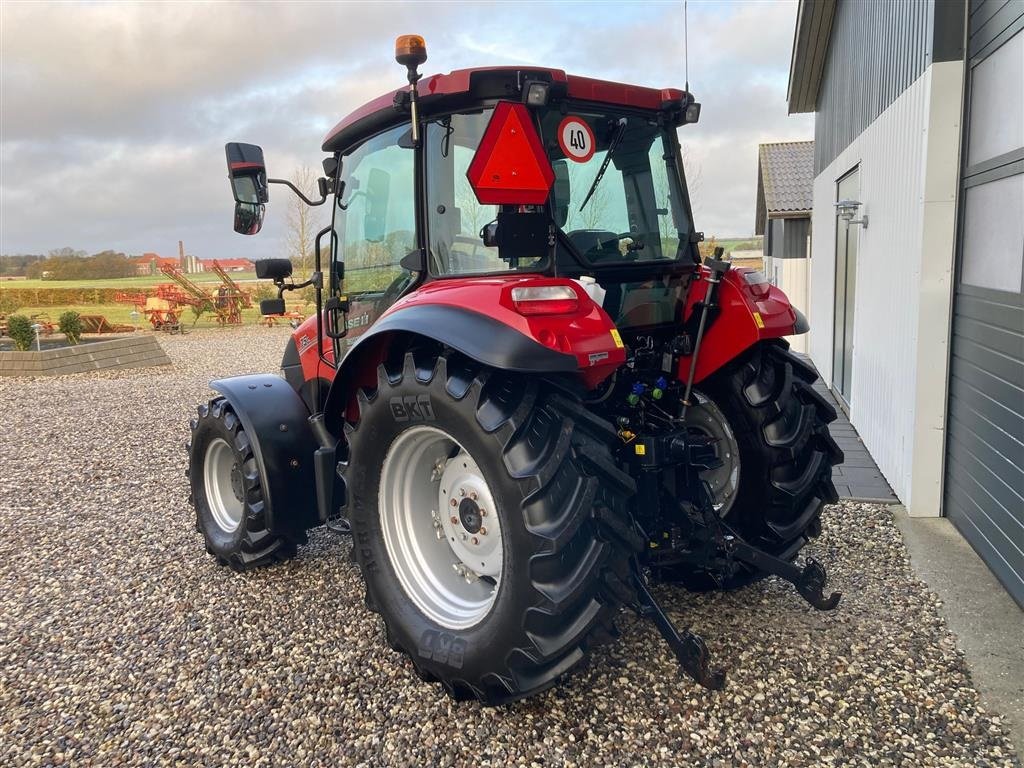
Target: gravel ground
<point x="121" y="643"/>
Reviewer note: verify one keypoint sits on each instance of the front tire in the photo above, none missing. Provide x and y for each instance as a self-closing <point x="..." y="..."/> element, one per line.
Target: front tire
<point x="550" y="577"/>
<point x="227" y="494"/>
<point x="780" y="426"/>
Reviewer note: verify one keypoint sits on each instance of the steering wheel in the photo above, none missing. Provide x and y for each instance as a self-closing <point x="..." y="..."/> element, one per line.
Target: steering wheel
<point x="393" y="291"/>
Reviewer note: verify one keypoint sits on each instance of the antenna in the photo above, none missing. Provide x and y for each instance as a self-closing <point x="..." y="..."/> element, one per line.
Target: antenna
<point x="686" y="49"/>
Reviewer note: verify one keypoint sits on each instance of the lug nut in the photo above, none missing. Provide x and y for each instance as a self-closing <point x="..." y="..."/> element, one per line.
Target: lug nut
<point x="473" y="495"/>
<point x="483" y="531"/>
<point x="454" y="503"/>
<point x="476" y="540"/>
<point x="462" y="491"/>
<point x="455" y="520"/>
<point x="483" y="513"/>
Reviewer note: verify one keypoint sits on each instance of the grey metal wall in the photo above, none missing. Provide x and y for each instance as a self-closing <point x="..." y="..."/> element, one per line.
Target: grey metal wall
<point x="794" y="242"/>
<point x="787" y="238"/>
<point x="984" y="484"/>
<point x="877" y="49"/>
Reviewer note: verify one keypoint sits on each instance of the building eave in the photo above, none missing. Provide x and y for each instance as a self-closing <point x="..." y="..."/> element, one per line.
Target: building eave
<point x="810" y="44"/>
<point x="789" y="214"/>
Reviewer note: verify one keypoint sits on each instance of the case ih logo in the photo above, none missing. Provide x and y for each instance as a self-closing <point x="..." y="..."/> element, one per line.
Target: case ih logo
<point x="412" y="408"/>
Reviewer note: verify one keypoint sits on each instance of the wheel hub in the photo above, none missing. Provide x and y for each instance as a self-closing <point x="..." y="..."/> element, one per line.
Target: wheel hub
<point x="440" y="527"/>
<point x="469" y="514"/>
<point x="705" y="418"/>
<point x="472" y="531"/>
<point x="222" y="483"/>
<point x="236" y="481"/>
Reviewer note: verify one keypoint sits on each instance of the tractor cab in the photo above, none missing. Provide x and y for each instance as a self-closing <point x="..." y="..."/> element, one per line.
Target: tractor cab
<point x="517" y="172"/>
<point x="500" y="172"/>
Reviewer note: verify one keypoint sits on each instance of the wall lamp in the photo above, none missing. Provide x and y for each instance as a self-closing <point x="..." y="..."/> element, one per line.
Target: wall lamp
<point x="847" y="209"/>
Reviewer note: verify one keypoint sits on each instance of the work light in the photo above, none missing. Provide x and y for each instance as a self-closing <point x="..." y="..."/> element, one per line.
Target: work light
<point x="535" y="93"/>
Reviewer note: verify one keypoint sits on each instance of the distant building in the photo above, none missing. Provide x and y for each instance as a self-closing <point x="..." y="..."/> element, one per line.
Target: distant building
<point x="785" y="192"/>
<point x="232" y="265"/>
<point x="917" y="265"/>
<point x="150" y="263"/>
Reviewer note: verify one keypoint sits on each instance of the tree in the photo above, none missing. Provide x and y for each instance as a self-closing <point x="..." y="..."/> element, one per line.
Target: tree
<point x="301" y="222"/>
<point x="65" y="253"/>
<point x="694" y="176"/>
<point x="707" y="247"/>
<point x="66" y="264"/>
<point x="474" y="215"/>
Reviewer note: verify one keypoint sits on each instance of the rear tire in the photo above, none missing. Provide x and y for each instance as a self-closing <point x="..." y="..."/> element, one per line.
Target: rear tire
<point x="547" y="469"/>
<point x="227" y="494"/>
<point x="786" y="455"/>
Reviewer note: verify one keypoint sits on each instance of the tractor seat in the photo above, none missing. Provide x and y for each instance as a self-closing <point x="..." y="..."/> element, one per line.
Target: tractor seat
<point x="596" y="244"/>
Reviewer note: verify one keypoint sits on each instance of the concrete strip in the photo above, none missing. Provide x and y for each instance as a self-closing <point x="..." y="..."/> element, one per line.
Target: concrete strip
<point x="985" y="619"/>
<point x="127" y="352"/>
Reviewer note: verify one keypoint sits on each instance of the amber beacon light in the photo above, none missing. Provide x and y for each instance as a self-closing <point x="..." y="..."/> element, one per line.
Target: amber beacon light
<point x="410" y="50"/>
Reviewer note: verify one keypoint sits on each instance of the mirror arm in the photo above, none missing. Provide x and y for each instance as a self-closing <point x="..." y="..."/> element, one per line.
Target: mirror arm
<point x="324" y="191"/>
<point x="316" y="279"/>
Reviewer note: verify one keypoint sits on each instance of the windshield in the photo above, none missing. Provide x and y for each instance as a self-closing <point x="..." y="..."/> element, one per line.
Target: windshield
<point x="616" y="198"/>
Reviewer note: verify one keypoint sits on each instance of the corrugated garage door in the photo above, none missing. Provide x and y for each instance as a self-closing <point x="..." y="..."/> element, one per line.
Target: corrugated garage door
<point x="984" y="491"/>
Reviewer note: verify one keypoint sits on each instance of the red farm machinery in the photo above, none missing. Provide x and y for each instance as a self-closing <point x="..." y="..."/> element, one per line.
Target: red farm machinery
<point x="522" y="394"/>
<point x="165" y="304"/>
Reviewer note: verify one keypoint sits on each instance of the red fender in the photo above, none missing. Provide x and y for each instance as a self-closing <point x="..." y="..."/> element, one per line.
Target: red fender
<point x="586" y="333"/>
<point x="585" y="339"/>
<point x="750" y="310"/>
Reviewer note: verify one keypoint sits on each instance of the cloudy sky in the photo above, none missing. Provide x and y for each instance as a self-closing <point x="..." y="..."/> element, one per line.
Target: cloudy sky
<point x="113" y="117"/>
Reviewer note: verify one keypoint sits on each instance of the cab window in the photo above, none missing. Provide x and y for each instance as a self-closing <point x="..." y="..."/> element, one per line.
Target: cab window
<point x="456" y="216"/>
<point x="376" y="220"/>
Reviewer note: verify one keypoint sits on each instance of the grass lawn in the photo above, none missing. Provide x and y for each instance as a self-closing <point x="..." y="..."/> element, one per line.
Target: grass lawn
<point x="747" y="243"/>
<point x="125" y="282"/>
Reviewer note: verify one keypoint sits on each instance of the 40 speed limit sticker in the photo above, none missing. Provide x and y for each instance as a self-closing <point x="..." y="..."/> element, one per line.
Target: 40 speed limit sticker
<point x="576" y="139"/>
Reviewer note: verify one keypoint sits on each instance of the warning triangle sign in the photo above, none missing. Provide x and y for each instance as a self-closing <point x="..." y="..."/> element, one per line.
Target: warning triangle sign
<point x="510" y="165"/>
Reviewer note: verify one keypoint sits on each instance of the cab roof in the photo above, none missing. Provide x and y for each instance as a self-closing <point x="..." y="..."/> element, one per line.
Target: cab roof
<point x="464" y="87"/>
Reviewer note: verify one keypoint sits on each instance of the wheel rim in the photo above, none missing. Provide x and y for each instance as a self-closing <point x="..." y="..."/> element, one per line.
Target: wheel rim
<point x="705" y="418"/>
<point x="440" y="527"/>
<point x="222" y="479"/>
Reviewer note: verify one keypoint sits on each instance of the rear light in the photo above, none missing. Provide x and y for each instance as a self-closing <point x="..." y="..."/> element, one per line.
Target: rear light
<point x="755" y="277"/>
<point x="545" y="300"/>
<point x="758" y="283"/>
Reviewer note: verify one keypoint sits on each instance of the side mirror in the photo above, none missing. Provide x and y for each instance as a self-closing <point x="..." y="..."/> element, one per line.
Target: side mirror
<point x="271" y="306"/>
<point x="247" y="172"/>
<point x="560" y="192"/>
<point x="378" y="188"/>
<point x="249" y="218"/>
<point x="273" y="269"/>
<point x="248" y="176"/>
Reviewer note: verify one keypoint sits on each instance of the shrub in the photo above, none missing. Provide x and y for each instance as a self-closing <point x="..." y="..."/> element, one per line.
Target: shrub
<point x="70" y="324"/>
<point x="19" y="328"/>
<point x="263" y="291"/>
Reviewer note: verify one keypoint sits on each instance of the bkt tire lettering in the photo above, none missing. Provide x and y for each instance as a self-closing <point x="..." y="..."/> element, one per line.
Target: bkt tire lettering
<point x="442" y="648"/>
<point x="412" y="408"/>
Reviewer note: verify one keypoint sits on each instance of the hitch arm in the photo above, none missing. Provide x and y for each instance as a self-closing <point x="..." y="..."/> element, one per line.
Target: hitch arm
<point x="689" y="648"/>
<point x="809" y="580"/>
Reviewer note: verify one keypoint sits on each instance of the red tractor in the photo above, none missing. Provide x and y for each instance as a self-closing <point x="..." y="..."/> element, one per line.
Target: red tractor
<point x="522" y="393"/>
